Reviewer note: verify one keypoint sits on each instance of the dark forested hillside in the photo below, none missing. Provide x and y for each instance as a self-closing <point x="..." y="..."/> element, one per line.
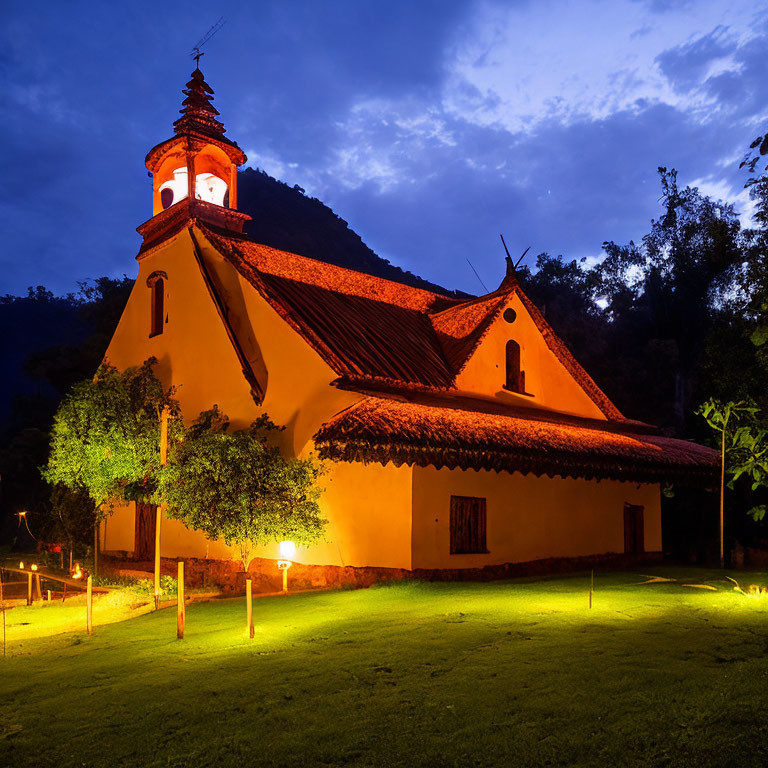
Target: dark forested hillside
<point x="285" y="218"/>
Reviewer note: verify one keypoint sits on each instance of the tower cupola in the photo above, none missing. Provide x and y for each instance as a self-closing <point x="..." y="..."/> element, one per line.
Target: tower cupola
<point x="194" y="173"/>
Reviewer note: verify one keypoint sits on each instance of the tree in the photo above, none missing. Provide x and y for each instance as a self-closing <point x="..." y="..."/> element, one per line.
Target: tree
<point x="105" y="438"/>
<point x="663" y="294"/>
<point x="237" y="486"/>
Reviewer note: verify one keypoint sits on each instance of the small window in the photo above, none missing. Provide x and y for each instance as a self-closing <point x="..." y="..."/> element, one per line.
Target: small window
<point x="634" y="529"/>
<point x="467" y="525"/>
<point x="515" y="377"/>
<point x="158" y="307"/>
<point x="166" y="197"/>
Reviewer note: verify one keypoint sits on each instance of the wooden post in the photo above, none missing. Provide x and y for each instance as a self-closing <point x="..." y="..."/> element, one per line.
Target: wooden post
<point x="49" y="595"/>
<point x="159" y="514"/>
<point x="181" y="614"/>
<point x="29" y="589"/>
<point x="591" y="588"/>
<point x="89" y="607"/>
<point x="64" y="593"/>
<point x="249" y="606"/>
<point x="722" y="501"/>
<point x="38" y="589"/>
<point x="158" y="521"/>
<point x="285" y="579"/>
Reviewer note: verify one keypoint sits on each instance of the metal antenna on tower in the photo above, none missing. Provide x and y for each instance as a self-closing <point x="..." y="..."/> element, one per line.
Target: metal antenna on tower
<point x="196" y="52"/>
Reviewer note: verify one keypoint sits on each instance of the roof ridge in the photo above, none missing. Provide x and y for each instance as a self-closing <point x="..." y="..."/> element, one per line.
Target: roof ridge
<point x="319" y="266"/>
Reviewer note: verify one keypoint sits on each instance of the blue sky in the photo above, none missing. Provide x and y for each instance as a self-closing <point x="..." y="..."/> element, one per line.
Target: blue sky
<point x="430" y="126"/>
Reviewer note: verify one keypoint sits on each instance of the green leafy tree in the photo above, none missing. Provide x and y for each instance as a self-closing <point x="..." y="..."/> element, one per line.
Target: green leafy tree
<point x="743" y="439"/>
<point x="105" y="438"/>
<point x="237" y="486"/>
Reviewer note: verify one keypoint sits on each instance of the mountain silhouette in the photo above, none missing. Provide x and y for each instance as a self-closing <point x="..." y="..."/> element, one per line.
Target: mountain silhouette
<point x="287" y="218"/>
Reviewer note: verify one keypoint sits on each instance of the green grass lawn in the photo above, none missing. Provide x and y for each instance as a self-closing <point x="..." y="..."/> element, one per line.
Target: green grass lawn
<point x="515" y="673"/>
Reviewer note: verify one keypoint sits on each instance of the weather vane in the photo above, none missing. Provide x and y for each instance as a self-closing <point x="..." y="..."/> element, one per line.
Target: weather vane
<point x="196" y="52"/>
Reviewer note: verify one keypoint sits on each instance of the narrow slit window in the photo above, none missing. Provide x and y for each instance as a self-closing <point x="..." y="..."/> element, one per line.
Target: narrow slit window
<point x="158" y="306"/>
<point x="468" y="525"/>
<point x="515" y="376"/>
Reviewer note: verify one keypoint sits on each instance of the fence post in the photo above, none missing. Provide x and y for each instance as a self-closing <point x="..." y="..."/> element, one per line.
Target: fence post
<point x="89" y="607"/>
<point x="181" y="613"/>
<point x="29" y="588"/>
<point x="249" y="606"/>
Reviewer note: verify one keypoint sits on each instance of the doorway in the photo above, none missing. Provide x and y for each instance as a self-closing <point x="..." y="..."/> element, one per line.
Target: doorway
<point x="634" y="530"/>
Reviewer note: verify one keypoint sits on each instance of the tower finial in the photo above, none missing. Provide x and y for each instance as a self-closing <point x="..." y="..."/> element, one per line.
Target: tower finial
<point x="198" y="115"/>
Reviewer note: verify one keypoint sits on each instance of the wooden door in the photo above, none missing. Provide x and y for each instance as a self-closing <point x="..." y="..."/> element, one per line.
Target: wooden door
<point x="146" y="520"/>
<point x="468" y="525"/>
<point x="634" y="529"/>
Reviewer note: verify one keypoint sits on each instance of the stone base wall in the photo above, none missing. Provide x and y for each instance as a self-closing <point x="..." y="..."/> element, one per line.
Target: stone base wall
<point x="227" y="575"/>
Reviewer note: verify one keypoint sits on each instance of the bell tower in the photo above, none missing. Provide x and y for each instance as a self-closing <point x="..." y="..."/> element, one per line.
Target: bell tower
<point x="194" y="173"/>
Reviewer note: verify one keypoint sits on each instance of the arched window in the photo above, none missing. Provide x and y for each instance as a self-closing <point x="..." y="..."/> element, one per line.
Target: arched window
<point x="156" y="284"/>
<point x="515" y="376"/>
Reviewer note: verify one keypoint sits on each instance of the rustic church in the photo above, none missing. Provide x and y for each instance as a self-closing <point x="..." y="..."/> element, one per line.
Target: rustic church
<point x="457" y="433"/>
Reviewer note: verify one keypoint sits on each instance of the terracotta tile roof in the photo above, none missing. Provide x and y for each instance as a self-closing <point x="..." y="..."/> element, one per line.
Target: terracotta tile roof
<point x="270" y="261"/>
<point x="327" y="305"/>
<point x="360" y="336"/>
<point x="461" y="327"/>
<point x="476" y="436"/>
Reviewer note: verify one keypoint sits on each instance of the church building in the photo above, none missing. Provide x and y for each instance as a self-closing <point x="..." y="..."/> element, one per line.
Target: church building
<point x="457" y="433"/>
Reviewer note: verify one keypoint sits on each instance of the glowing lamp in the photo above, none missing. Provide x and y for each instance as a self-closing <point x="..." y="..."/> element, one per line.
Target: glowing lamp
<point x="286" y="551"/>
<point x="21" y="565"/>
<point x="34" y="566"/>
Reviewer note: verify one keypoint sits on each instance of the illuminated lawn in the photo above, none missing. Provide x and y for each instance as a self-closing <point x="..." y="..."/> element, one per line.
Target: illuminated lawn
<point x="506" y="674"/>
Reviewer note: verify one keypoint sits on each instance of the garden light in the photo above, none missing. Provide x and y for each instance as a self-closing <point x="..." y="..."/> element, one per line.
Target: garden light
<point x="34" y="566"/>
<point x="21" y="565"/>
<point x="286" y="551"/>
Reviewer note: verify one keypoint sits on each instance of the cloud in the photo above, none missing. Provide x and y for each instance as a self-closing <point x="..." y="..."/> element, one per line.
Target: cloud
<point x="429" y="126"/>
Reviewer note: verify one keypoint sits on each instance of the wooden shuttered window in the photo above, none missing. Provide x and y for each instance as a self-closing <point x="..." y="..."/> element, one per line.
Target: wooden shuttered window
<point x="634" y="529"/>
<point x="468" y="520"/>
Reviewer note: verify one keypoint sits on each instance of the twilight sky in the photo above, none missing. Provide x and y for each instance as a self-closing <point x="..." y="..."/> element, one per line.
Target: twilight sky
<point x="429" y="125"/>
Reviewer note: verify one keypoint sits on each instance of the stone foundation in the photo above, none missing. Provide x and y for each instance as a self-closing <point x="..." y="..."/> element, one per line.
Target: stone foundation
<point x="227" y="575"/>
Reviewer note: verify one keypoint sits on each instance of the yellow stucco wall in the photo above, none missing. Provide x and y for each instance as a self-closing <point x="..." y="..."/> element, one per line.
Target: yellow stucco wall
<point x="548" y="384"/>
<point x="528" y="517"/>
<point x="193" y="352"/>
<point x="368" y="508"/>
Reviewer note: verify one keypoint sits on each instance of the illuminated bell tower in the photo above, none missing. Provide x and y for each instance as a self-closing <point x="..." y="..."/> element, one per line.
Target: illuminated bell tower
<point x="194" y="173"/>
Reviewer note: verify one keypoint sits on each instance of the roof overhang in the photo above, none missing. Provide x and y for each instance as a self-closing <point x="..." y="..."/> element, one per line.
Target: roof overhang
<point x="431" y="432"/>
